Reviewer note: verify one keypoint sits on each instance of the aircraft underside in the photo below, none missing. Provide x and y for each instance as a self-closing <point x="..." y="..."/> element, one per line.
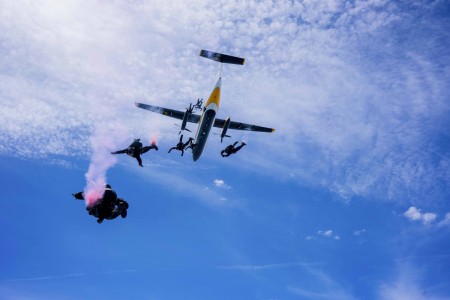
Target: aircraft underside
<point x="203" y="133"/>
<point x="208" y="118"/>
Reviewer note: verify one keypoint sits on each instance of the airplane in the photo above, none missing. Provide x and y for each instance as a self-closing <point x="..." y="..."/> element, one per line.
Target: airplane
<point x="207" y="119"/>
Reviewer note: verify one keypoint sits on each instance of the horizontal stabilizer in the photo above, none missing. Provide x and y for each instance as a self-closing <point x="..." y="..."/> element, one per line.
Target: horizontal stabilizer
<point x="223" y="58"/>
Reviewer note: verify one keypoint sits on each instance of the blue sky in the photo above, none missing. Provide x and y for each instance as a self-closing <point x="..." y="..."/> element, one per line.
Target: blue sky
<point x="348" y="199"/>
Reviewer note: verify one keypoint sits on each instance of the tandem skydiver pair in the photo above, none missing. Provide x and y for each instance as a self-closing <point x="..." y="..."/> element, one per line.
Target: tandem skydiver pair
<point x="108" y="207"/>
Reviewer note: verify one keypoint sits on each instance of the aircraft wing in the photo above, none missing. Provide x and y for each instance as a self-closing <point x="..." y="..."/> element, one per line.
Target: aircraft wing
<point x="242" y="126"/>
<point x="168" y="112"/>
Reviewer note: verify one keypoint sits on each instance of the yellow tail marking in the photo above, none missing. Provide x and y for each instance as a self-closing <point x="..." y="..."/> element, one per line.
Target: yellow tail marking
<point x="214" y="97"/>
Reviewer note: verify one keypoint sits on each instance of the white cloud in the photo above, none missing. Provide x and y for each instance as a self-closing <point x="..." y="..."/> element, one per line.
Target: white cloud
<point x="329" y="234"/>
<point x="428" y="218"/>
<point x="325" y="233"/>
<point x="446" y="220"/>
<point x="66" y="68"/>
<point x="415" y="214"/>
<point x="359" y="232"/>
<point x="221" y="184"/>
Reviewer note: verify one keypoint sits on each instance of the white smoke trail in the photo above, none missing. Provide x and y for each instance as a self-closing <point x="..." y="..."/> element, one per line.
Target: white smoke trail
<point x="102" y="143"/>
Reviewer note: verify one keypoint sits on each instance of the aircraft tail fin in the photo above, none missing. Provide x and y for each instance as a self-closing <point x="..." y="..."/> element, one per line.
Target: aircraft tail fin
<point x="223" y="58"/>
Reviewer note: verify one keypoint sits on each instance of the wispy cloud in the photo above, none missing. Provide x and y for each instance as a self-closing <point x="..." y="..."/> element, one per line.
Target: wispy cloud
<point x="370" y="120"/>
<point x="320" y="294"/>
<point x="359" y="232"/>
<point x="262" y="267"/>
<point x="172" y="176"/>
<point x="408" y="283"/>
<point x="326" y="287"/>
<point x="49" y="277"/>
<point x="328" y="234"/>
<point x="55" y="277"/>
<point x="446" y="221"/>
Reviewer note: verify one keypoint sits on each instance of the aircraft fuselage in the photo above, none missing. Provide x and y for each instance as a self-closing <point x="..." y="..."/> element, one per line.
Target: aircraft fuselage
<point x="207" y="120"/>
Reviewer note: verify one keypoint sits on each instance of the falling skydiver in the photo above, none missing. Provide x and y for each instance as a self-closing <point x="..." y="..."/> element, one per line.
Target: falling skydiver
<point x="135" y="150"/>
<point x="230" y="149"/>
<point x="108" y="207"/>
<point x="182" y="146"/>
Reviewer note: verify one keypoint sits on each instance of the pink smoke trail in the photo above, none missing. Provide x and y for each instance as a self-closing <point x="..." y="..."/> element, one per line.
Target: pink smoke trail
<point x="102" y="144"/>
<point x="154" y="140"/>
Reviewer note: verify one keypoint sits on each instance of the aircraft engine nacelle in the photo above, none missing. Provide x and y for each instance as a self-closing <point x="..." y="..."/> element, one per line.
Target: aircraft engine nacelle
<point x="185" y="119"/>
<point x="224" y="129"/>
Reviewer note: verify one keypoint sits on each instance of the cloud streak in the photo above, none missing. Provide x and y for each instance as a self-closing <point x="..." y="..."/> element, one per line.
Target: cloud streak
<point x="262" y="267"/>
<point x="55" y="277"/>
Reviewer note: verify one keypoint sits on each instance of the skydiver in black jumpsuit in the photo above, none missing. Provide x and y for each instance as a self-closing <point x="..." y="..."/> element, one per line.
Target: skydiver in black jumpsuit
<point x="109" y="207"/>
<point x="231" y="149"/>
<point x="135" y="150"/>
<point x="181" y="146"/>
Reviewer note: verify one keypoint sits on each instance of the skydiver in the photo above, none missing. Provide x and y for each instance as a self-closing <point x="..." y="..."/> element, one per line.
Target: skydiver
<point x="108" y="207"/>
<point x="96" y="210"/>
<point x="191" y="144"/>
<point x="119" y="209"/>
<point x="109" y="199"/>
<point x="182" y="146"/>
<point x="103" y="207"/>
<point x="135" y="150"/>
<point x="231" y="149"/>
<point x="102" y="211"/>
<point x="199" y="104"/>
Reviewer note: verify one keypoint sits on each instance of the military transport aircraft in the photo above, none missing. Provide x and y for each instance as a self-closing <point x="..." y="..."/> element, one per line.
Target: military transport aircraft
<point x="208" y="117"/>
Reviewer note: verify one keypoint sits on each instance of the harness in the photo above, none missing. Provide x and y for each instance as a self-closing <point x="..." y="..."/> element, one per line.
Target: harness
<point x="130" y="151"/>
